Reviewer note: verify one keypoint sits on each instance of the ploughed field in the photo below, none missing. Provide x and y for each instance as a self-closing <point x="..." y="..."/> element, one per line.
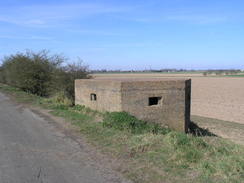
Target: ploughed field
<point x="213" y="97"/>
<point x="220" y="98"/>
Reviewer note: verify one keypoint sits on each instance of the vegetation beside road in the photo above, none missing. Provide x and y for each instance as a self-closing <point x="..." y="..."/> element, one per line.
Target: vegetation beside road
<point x="148" y="153"/>
<point x="42" y="73"/>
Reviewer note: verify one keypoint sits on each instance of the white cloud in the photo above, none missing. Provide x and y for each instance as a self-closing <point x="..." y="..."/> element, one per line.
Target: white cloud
<point x="26" y="37"/>
<point x="97" y="32"/>
<point x="184" y="17"/>
<point x="61" y="14"/>
<point x="196" y="18"/>
<point x="43" y="15"/>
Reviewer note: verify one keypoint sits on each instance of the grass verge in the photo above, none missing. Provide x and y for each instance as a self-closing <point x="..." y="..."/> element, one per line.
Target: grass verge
<point x="148" y="152"/>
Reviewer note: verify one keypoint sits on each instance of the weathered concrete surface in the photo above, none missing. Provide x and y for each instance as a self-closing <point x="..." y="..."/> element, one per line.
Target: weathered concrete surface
<point x="34" y="150"/>
<point x="108" y="94"/>
<point x="132" y="95"/>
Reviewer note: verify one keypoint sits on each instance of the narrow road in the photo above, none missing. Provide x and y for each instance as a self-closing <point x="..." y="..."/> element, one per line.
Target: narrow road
<point x="33" y="150"/>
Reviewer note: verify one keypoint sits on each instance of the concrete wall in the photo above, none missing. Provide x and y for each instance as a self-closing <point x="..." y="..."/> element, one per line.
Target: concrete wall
<point x="108" y="94"/>
<point x="173" y="109"/>
<point x="132" y="96"/>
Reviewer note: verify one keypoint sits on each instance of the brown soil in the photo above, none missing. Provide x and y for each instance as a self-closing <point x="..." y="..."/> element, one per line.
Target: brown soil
<point x="220" y="98"/>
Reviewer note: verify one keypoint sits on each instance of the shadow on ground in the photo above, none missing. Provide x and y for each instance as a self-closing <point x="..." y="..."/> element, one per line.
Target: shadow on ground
<point x="196" y="130"/>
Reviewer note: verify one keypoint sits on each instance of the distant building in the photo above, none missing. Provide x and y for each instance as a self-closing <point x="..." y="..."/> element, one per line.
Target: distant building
<point x="163" y="101"/>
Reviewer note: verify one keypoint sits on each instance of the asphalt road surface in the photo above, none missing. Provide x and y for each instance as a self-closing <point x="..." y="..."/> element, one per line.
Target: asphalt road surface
<point x="33" y="150"/>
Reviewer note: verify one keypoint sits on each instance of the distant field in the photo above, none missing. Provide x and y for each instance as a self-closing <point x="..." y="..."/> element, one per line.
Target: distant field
<point x="214" y="97"/>
<point x="140" y="72"/>
<point x="238" y="75"/>
<point x="163" y="74"/>
<point x="149" y="74"/>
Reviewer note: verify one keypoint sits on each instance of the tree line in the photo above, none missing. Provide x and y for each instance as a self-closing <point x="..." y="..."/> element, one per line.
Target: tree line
<point x="221" y="72"/>
<point x="144" y="70"/>
<point x="42" y="73"/>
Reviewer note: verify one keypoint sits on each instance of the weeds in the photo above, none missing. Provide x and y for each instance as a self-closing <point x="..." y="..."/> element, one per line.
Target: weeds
<point x="125" y="122"/>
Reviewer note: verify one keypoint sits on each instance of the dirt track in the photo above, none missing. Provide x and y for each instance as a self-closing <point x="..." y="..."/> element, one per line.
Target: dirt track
<point x="213" y="97"/>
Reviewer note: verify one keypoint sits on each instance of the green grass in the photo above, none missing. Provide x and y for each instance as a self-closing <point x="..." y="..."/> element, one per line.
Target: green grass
<point x="149" y="153"/>
<point x="124" y="122"/>
<point x="237" y="75"/>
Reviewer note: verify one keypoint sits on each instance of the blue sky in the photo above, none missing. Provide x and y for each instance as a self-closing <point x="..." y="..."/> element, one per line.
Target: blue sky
<point x="128" y="34"/>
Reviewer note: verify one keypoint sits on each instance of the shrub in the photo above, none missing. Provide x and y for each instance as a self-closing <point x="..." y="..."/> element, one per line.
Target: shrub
<point x="30" y="72"/>
<point x="65" y="77"/>
<point x="41" y="73"/>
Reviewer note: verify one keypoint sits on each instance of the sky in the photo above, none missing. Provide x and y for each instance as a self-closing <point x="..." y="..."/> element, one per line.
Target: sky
<point x="128" y="34"/>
